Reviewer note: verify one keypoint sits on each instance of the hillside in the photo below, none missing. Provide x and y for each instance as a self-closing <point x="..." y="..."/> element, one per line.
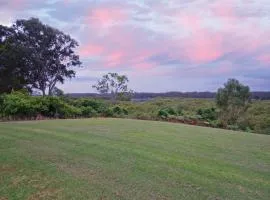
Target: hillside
<point x="130" y="159"/>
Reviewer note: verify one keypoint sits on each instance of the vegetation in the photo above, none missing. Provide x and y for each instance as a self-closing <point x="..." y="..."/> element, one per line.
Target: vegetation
<point x="130" y="159"/>
<point x="233" y="100"/>
<point x="35" y="56"/>
<point x="203" y="112"/>
<point x="115" y="85"/>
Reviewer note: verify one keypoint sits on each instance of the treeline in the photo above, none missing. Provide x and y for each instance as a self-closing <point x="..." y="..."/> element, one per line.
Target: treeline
<point x="21" y="105"/>
<point x="141" y="96"/>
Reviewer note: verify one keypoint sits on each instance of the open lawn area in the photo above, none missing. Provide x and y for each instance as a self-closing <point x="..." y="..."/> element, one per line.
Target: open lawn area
<point x="130" y="159"/>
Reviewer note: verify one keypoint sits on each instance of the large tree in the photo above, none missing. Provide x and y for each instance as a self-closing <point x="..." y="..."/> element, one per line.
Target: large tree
<point x="13" y="73"/>
<point x="232" y="100"/>
<point x="113" y="84"/>
<point x="45" y="56"/>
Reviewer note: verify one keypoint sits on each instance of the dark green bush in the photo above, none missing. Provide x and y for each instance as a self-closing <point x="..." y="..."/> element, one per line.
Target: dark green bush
<point x="180" y="110"/>
<point x="118" y="111"/>
<point x="208" y="114"/>
<point x="108" y="112"/>
<point x="163" y="113"/>
<point x="68" y="111"/>
<point x="88" y="112"/>
<point x="171" y="111"/>
<point x="125" y="111"/>
<point x="98" y="105"/>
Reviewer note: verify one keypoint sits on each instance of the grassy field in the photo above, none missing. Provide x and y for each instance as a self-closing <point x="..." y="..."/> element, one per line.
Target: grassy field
<point x="130" y="159"/>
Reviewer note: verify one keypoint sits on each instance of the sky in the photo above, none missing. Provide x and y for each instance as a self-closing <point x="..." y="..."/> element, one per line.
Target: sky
<point x="161" y="45"/>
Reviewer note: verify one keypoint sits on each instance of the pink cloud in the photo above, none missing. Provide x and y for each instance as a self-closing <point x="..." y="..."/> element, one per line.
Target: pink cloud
<point x="91" y="50"/>
<point x="144" y="66"/>
<point x="205" y="48"/>
<point x="190" y="21"/>
<point x="124" y="46"/>
<point x="17" y="3"/>
<point x="104" y="16"/>
<point x="264" y="59"/>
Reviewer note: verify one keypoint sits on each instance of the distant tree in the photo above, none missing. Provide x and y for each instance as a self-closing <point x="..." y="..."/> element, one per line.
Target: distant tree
<point x="233" y="101"/>
<point x="43" y="57"/>
<point x="113" y="84"/>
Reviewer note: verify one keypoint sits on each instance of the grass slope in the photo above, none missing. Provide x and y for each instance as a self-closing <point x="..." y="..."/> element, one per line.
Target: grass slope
<point x="130" y="159"/>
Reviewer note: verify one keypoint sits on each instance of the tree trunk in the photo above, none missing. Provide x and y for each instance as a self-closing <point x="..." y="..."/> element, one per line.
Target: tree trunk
<point x="43" y="92"/>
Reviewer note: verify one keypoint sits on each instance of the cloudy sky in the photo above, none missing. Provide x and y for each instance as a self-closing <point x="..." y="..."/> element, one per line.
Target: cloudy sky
<point x="162" y="45"/>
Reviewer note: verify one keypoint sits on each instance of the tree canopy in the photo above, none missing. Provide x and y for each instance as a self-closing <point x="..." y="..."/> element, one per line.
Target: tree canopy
<point x="113" y="84"/>
<point x="35" y="56"/>
<point x="233" y="100"/>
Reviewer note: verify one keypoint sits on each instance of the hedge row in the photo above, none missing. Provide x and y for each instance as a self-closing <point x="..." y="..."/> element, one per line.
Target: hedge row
<point x="19" y="105"/>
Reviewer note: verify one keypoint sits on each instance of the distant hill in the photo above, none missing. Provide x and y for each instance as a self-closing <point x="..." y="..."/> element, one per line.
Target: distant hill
<point x="148" y="95"/>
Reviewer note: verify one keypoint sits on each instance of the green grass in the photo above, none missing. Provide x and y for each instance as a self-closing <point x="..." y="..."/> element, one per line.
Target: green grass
<point x="130" y="159"/>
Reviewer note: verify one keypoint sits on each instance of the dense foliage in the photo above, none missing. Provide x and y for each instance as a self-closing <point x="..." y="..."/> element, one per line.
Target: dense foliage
<point x="233" y="101"/>
<point x="22" y="106"/>
<point x="36" y="56"/>
<point x="114" y="85"/>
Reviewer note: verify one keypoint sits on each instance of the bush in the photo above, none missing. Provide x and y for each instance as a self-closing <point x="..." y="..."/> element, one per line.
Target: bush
<point x="118" y="111"/>
<point x="171" y="111"/>
<point x="142" y="116"/>
<point x="163" y="114"/>
<point x="233" y="127"/>
<point x="108" y="112"/>
<point x="68" y="111"/>
<point x="18" y="105"/>
<point x="50" y="106"/>
<point x="98" y="105"/>
<point x="208" y="114"/>
<point x="180" y="110"/>
<point x="88" y="112"/>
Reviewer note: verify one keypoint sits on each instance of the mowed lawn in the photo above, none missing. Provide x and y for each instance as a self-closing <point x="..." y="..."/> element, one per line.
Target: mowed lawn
<point x="130" y="159"/>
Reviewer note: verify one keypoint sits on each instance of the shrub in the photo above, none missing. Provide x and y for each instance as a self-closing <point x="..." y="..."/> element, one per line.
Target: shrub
<point x="118" y="111"/>
<point x="163" y="113"/>
<point x="68" y="111"/>
<point x="208" y="114"/>
<point x="180" y="110"/>
<point x="18" y="105"/>
<point x="233" y="127"/>
<point x="125" y="111"/>
<point x="98" y="105"/>
<point x="88" y="112"/>
<point x="142" y="116"/>
<point x="108" y="112"/>
<point x="171" y="111"/>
